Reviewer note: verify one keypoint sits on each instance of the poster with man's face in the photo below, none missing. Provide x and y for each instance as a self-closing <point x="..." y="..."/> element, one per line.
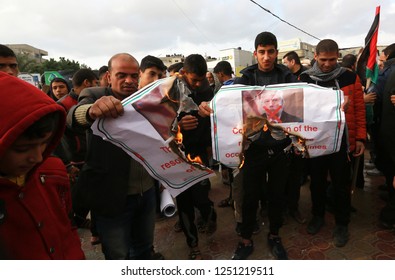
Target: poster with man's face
<point x="277" y="106"/>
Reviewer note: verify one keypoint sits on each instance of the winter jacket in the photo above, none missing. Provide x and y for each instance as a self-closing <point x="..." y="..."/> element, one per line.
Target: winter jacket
<point x="386" y="146"/>
<point x="34" y="221"/>
<point x="282" y="75"/>
<point x="198" y="140"/>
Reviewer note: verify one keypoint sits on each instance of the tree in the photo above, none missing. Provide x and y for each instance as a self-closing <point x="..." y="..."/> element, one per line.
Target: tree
<point x="26" y="63"/>
<point x="30" y="65"/>
<point x="62" y="64"/>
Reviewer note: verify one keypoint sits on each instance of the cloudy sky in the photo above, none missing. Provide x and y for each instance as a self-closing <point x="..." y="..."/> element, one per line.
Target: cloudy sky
<point x="91" y="31"/>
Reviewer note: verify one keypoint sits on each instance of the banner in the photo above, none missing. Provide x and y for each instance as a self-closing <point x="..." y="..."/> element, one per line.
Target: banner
<point x="144" y="132"/>
<point x="309" y="111"/>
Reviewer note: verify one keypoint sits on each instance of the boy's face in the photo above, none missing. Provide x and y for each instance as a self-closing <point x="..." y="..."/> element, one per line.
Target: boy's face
<point x="194" y="81"/>
<point x="326" y="61"/>
<point x="150" y="75"/>
<point x="59" y="89"/>
<point x="9" y="65"/>
<point x="266" y="56"/>
<point x="24" y="155"/>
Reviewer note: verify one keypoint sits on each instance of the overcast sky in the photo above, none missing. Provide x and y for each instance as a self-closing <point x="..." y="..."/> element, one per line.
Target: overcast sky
<point x="91" y="31"/>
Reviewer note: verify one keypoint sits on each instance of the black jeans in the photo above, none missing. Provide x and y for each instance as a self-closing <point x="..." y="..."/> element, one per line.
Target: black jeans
<point x="195" y="196"/>
<point x="260" y="167"/>
<point x="339" y="167"/>
<point x="295" y="181"/>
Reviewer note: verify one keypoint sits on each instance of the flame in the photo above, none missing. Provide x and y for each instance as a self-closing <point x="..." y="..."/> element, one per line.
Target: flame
<point x="196" y="159"/>
<point x="241" y="159"/>
<point x="265" y="128"/>
<point x="178" y="137"/>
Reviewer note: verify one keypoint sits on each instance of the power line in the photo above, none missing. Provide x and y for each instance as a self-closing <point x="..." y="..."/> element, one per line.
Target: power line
<point x="285" y="20"/>
<point x="197" y="28"/>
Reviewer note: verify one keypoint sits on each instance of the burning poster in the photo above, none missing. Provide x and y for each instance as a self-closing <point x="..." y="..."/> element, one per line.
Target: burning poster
<point x="310" y="114"/>
<point x="148" y="132"/>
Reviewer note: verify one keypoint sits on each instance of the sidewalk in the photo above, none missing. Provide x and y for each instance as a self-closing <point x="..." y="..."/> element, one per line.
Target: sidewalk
<point x="367" y="240"/>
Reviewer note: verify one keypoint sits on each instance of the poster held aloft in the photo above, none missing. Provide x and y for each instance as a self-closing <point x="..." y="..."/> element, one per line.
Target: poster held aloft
<point x="145" y="133"/>
<point x="308" y="111"/>
<point x="148" y="127"/>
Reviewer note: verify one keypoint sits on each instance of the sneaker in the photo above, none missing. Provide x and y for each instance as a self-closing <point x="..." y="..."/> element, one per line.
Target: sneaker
<point x="177" y="226"/>
<point x="243" y="251"/>
<point x="340" y="235"/>
<point x="297" y="216"/>
<point x="315" y="225"/>
<point x="277" y="247"/>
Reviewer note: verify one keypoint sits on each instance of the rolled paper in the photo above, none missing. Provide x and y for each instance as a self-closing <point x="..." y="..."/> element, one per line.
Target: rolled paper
<point x="167" y="205"/>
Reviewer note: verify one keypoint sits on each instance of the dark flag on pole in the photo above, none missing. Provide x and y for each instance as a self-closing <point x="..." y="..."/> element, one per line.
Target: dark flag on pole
<point x="367" y="67"/>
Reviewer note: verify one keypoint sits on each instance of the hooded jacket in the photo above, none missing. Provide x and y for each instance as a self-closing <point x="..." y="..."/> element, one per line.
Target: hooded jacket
<point x="34" y="222"/>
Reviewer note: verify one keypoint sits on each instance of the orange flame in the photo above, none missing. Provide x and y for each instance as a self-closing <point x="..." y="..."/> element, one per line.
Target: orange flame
<point x="178" y="137"/>
<point x="196" y="159"/>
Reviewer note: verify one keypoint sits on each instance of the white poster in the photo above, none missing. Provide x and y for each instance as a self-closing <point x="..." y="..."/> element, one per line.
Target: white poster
<point x="309" y="111"/>
<point x="145" y="133"/>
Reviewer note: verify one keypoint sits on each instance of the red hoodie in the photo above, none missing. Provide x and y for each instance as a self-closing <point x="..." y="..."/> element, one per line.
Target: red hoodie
<point x="34" y="221"/>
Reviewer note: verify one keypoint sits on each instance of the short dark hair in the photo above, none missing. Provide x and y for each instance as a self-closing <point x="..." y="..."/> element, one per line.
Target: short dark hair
<point x="265" y="39"/>
<point x="224" y="67"/>
<point x="349" y="60"/>
<point x="390" y="51"/>
<point x="326" y="45"/>
<point x="44" y="125"/>
<point x="81" y="75"/>
<point x="151" y="61"/>
<point x="195" y="63"/>
<point x="292" y="55"/>
<point x="103" y="70"/>
<point x="6" y="51"/>
<point x="175" y="67"/>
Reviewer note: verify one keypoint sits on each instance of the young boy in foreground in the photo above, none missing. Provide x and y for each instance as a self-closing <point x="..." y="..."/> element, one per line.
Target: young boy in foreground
<point x="34" y="188"/>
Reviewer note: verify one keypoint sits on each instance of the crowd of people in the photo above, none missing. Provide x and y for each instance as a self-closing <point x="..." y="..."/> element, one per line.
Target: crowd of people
<point x="55" y="173"/>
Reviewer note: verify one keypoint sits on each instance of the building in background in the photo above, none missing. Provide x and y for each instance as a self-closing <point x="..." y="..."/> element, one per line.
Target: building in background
<point x="238" y="58"/>
<point x="29" y="51"/>
<point x="304" y="50"/>
<point x="170" y="59"/>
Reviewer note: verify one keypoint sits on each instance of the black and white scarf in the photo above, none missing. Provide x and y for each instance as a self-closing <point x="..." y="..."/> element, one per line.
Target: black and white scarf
<point x="317" y="75"/>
